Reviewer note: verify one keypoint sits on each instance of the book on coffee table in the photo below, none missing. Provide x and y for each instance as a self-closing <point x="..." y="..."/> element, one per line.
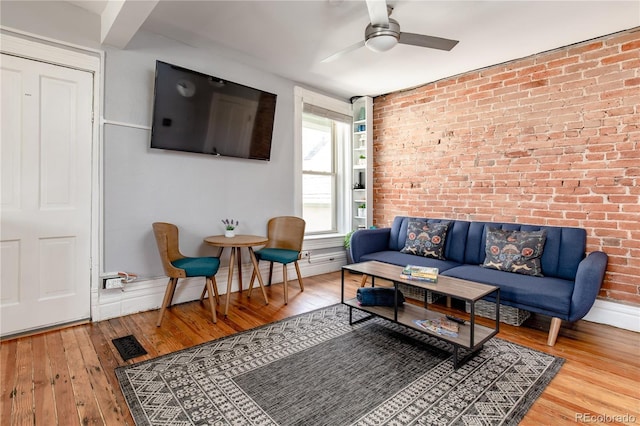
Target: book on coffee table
<point x="421" y="273"/>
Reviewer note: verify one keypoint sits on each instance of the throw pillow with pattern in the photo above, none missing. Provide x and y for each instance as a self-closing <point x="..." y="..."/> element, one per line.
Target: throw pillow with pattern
<point x="515" y="251"/>
<point x="426" y="239"/>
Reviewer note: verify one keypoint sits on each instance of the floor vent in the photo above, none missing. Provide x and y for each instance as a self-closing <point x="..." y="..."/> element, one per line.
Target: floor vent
<point x="129" y="347"/>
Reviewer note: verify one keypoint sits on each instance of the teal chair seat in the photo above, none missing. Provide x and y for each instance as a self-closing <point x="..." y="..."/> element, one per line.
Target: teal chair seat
<point x="285" y="234"/>
<point x="177" y="266"/>
<point x="283" y="256"/>
<point x="198" y="266"/>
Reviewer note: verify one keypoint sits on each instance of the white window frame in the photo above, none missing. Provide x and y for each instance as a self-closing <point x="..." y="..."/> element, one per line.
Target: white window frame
<point x="302" y="96"/>
<point x="334" y="175"/>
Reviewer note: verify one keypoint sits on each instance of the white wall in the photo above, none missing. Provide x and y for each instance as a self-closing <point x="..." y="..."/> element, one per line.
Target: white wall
<point x="141" y="185"/>
<point x="194" y="191"/>
<point x="57" y="20"/>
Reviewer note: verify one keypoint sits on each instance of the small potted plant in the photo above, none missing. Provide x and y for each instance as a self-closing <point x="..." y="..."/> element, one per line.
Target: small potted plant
<point x="362" y="210"/>
<point x="230" y="227"/>
<point x="362" y="160"/>
<point x="347" y="246"/>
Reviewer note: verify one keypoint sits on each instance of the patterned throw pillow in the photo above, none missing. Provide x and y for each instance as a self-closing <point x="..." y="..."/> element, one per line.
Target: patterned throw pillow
<point x="426" y="239"/>
<point x="515" y="251"/>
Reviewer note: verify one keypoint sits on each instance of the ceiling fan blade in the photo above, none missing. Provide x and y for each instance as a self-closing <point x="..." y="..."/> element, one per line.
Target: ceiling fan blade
<point x="427" y="41"/>
<point x="344" y="51"/>
<point x="378" y="13"/>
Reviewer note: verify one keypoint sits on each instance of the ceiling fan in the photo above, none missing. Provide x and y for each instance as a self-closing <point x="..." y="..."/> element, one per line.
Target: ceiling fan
<point x="383" y="33"/>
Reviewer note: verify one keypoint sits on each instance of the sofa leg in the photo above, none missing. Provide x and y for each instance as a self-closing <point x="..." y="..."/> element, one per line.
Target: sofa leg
<point x="553" y="331"/>
<point x="363" y="280"/>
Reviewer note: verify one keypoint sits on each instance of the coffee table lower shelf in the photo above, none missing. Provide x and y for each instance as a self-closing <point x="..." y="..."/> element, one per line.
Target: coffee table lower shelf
<point x="471" y="337"/>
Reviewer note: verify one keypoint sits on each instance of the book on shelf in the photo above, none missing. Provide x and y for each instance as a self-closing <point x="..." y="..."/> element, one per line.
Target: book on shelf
<point x="439" y="325"/>
<point x="421" y="273"/>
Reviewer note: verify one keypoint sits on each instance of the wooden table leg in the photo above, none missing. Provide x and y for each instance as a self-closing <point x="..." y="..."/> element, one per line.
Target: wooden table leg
<point x="239" y="254"/>
<point x="255" y="268"/>
<point x="232" y="259"/>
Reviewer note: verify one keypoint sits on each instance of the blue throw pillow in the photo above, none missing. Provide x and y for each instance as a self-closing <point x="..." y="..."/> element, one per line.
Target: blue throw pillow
<point x="515" y="251"/>
<point x="426" y="239"/>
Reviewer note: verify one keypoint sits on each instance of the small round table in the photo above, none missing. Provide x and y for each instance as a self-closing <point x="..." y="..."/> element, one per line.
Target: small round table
<point x="236" y="243"/>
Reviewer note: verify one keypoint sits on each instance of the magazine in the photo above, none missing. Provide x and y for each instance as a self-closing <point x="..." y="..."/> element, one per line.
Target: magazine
<point x="421" y="273"/>
<point x="440" y="325"/>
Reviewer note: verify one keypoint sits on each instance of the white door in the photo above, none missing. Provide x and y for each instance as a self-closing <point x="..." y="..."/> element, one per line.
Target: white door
<point x="45" y="185"/>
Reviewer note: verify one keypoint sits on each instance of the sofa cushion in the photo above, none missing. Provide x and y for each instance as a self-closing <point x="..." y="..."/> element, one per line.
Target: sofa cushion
<point x="514" y="251"/>
<point x="426" y="239"/>
<point x="563" y="250"/>
<point x="454" y="244"/>
<point x="403" y="259"/>
<point x="551" y="295"/>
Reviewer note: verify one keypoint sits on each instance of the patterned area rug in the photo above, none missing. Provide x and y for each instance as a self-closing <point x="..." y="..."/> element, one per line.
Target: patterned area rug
<point x="316" y="369"/>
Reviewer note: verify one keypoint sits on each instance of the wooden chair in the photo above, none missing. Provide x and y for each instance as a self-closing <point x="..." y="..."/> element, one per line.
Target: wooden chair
<point x="286" y="235"/>
<point x="176" y="266"/>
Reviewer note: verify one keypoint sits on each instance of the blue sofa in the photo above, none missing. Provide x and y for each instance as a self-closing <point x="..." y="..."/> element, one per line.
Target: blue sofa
<point x="566" y="291"/>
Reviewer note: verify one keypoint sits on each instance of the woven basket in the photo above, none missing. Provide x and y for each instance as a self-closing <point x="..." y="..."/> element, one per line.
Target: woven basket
<point x="508" y="314"/>
<point x="417" y="293"/>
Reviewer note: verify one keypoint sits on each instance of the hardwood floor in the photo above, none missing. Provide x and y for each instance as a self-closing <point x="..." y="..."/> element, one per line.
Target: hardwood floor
<point x="67" y="376"/>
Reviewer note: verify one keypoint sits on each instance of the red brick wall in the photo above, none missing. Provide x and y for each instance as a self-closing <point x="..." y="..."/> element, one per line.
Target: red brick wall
<point x="552" y="139"/>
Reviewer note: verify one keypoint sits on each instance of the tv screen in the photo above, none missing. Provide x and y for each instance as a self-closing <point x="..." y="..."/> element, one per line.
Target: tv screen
<point x="200" y="113"/>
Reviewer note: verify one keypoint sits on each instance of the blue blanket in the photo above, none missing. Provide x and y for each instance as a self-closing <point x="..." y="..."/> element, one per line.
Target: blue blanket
<point x="378" y="296"/>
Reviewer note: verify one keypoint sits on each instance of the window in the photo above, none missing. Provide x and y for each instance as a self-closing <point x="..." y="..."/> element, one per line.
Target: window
<point x="324" y="137"/>
<point x="321" y="136"/>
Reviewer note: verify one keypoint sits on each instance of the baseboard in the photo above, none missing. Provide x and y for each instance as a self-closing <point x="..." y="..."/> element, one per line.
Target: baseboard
<point x="145" y="295"/>
<point x="615" y="314"/>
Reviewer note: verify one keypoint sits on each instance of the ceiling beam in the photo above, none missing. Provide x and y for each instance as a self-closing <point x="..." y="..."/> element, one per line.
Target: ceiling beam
<point x="121" y="20"/>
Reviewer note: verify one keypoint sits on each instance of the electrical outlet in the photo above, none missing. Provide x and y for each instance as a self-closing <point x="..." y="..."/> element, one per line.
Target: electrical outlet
<point x="306" y="254"/>
<point x="110" y="283"/>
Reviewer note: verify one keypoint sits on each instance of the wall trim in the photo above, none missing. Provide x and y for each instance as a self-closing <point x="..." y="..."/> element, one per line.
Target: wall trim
<point x="146" y="295"/>
<point x="615" y="314"/>
<point x="123" y="124"/>
<point x="60" y="53"/>
<point x="140" y="296"/>
<point x="47" y="49"/>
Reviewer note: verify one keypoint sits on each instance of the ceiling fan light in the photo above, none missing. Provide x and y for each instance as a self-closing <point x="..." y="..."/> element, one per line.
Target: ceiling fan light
<point x="381" y="43"/>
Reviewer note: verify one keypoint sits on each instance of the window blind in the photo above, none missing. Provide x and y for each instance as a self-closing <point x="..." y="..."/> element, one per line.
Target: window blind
<point x="326" y="113"/>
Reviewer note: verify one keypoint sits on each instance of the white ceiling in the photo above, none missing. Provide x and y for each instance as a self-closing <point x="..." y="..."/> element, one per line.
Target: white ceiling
<point x="290" y="38"/>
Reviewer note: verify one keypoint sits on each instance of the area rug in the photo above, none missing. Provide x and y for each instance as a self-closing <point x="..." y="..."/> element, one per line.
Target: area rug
<point x="316" y="369"/>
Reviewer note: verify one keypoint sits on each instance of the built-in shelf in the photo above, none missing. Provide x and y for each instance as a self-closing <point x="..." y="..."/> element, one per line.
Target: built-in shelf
<point x="362" y="174"/>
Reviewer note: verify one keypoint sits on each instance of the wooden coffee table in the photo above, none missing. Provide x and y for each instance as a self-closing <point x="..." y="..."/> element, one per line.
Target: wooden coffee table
<point x="471" y="336"/>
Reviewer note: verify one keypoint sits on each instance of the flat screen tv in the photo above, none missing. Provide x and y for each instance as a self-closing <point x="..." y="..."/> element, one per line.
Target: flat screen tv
<point x="200" y="113"/>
